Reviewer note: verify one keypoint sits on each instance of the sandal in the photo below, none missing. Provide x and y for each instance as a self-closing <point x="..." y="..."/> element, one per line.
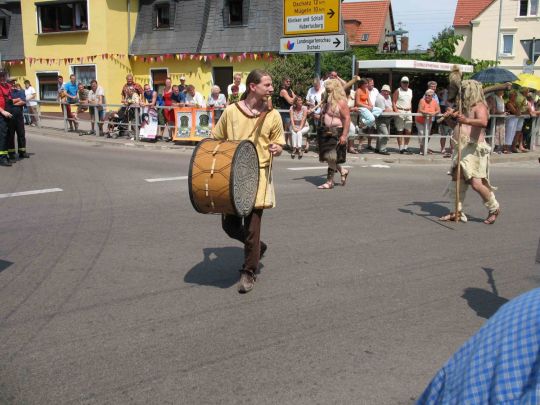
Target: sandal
<point x="344" y="178"/>
<point x="451" y="217"/>
<point x="490" y="220"/>
<point x="326" y="186"/>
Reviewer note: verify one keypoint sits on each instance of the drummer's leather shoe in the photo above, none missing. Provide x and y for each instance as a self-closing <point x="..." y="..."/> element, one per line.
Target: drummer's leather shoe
<point x="247" y="281"/>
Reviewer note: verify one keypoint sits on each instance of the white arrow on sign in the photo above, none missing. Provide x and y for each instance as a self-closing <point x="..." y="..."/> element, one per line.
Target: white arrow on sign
<point x="315" y="43"/>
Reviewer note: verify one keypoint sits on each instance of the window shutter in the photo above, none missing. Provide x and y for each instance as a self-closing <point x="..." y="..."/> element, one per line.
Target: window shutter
<point x="245" y="12"/>
<point x="172" y="14"/>
<point x="154" y="17"/>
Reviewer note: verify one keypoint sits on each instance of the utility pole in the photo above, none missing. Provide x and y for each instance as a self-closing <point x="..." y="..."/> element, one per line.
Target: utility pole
<point x="318" y="64"/>
<point x="499" y="33"/>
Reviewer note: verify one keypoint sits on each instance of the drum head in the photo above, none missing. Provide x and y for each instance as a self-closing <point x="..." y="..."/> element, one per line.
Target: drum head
<point x="244" y="181"/>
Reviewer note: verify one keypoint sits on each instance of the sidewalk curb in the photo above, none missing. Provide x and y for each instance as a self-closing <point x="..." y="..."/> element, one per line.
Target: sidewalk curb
<point x="361" y="158"/>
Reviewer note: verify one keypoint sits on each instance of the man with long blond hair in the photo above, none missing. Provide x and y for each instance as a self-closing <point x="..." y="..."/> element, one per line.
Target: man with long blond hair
<point x="474" y="163"/>
<point x="332" y="134"/>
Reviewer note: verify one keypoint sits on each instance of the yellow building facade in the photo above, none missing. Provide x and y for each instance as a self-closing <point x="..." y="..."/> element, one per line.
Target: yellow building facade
<point x="93" y="40"/>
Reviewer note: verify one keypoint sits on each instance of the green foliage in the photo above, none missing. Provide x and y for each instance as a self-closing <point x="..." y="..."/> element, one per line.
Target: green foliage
<point x="300" y="68"/>
<point x="443" y="46"/>
<point x="340" y="62"/>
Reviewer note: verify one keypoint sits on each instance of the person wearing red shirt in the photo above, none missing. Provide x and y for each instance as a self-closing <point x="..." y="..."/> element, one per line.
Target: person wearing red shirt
<point x="5" y="115"/>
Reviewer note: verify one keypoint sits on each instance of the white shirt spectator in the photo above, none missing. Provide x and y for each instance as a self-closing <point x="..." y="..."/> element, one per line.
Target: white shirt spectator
<point x="314" y="97"/>
<point x="93" y="97"/>
<point x="220" y="102"/>
<point x="30" y="94"/>
<point x="373" y="95"/>
<point x="197" y="99"/>
<point x="241" y="87"/>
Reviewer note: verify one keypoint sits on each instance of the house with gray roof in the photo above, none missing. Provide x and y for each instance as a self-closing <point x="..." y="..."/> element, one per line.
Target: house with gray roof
<point x="207" y="26"/>
<point x="11" y="38"/>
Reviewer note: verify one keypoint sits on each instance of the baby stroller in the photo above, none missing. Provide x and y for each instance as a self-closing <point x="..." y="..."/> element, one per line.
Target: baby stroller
<point x="119" y="121"/>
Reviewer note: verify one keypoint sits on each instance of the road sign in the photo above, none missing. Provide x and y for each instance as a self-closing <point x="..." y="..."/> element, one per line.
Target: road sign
<point x="304" y="17"/>
<point x="316" y="43"/>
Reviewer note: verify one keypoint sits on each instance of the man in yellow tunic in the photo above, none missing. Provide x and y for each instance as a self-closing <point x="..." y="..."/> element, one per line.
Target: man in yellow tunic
<point x="241" y="121"/>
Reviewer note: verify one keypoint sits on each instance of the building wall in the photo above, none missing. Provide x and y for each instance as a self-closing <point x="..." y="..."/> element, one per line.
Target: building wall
<point x="483" y="41"/>
<point x="198" y="73"/>
<point x="388" y="27"/>
<point x="107" y="33"/>
<point x="463" y="48"/>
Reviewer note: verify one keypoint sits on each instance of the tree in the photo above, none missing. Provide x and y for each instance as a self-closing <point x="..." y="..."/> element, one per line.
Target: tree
<point x="443" y="46"/>
<point x="300" y="68"/>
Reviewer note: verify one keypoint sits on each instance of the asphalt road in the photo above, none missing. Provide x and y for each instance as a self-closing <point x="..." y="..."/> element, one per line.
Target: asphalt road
<point x="113" y="290"/>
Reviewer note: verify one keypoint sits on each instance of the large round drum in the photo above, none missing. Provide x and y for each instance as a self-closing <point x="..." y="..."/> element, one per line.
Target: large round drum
<point x="224" y="177"/>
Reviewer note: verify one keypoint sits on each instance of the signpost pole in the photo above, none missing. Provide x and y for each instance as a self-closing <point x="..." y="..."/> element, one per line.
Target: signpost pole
<point x="318" y="64"/>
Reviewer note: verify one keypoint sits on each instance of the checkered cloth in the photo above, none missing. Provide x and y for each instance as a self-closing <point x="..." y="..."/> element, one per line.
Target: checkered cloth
<point x="500" y="364"/>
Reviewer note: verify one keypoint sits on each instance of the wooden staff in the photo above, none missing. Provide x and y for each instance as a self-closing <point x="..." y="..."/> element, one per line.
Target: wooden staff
<point x="458" y="168"/>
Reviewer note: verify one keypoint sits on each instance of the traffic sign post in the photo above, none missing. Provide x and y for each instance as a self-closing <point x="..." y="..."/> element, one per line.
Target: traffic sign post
<point x="312" y="44"/>
<point x="305" y="17"/>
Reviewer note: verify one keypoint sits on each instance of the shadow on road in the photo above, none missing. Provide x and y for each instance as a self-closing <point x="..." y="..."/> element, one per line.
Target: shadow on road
<point x="219" y="267"/>
<point x="485" y="303"/>
<point x="315" y="180"/>
<point x="4" y="265"/>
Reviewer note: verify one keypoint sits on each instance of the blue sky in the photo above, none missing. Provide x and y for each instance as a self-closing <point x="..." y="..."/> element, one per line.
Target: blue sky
<point x="422" y="18"/>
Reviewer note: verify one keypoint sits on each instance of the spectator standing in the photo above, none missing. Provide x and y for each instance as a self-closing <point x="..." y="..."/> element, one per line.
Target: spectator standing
<point x="384" y="102"/>
<point x="496" y="107"/>
<point x="16" y="124"/>
<point x="82" y="94"/>
<point x="237" y="81"/>
<point x="313" y="100"/>
<point x="299" y="126"/>
<point x="129" y="88"/>
<point x="182" y="86"/>
<point x="234" y="97"/>
<point x="285" y="101"/>
<point x="511" y="122"/>
<point x="524" y="109"/>
<point x="216" y="99"/>
<point x="149" y="96"/>
<point x="194" y="98"/>
<point x="6" y="104"/>
<point x="178" y="99"/>
<point x="428" y="107"/>
<point x="351" y="102"/>
<point x="96" y="98"/>
<point x="402" y="103"/>
<point x="167" y="113"/>
<point x="31" y="103"/>
<point x="71" y="96"/>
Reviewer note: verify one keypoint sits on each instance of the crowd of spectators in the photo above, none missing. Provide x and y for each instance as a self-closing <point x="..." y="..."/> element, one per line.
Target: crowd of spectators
<point x="379" y="114"/>
<point x="369" y="108"/>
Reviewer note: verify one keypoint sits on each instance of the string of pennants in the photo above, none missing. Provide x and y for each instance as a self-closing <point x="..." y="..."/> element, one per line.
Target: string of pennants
<point x="149" y="59"/>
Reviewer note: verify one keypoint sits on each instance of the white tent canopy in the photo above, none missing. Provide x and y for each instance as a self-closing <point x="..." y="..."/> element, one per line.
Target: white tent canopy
<point x="408" y="65"/>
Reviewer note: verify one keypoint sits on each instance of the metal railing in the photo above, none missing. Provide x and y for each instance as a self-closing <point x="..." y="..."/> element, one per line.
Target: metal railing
<point x="134" y="125"/>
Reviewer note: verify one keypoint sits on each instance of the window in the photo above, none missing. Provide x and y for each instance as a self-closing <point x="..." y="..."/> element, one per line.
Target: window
<point x="3" y="28"/>
<point x="528" y="8"/>
<point x="236" y="12"/>
<point x="162" y="16"/>
<point x="507" y="44"/>
<point x="84" y="74"/>
<point x="62" y="16"/>
<point x="365" y="37"/>
<point x="47" y="86"/>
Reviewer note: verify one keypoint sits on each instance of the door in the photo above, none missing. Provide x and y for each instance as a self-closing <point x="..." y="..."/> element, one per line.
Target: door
<point x="223" y="76"/>
<point x="158" y="79"/>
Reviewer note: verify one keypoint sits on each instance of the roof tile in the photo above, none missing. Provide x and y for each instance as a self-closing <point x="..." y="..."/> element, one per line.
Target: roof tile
<point x="372" y="17"/>
<point x="467" y="10"/>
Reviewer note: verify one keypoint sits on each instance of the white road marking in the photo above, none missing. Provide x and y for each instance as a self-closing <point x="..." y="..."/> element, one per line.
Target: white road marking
<point x="312" y="168"/>
<point x="31" y="192"/>
<point x="166" y="179"/>
<point x="381" y="166"/>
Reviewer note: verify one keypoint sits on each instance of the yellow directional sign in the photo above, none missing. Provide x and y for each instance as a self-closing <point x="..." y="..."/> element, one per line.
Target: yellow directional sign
<point x="306" y="17"/>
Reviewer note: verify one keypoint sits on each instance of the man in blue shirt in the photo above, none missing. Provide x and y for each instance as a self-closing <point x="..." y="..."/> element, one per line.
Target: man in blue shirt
<point x="71" y="88"/>
<point x="16" y="124"/>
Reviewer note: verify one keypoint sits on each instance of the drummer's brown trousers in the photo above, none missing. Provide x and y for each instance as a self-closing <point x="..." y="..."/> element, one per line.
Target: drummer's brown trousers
<point x="248" y="231"/>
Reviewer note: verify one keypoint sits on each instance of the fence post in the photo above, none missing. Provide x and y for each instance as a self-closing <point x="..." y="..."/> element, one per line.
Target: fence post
<point x="427" y="130"/>
<point x="96" y="119"/>
<point x="535" y="128"/>
<point x="492" y="132"/>
<point x="137" y="121"/>
<point x="38" y="115"/>
<point x="64" y="113"/>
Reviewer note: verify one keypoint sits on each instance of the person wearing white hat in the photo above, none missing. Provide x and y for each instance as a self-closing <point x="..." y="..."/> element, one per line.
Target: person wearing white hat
<point x="237" y="81"/>
<point x="384" y="102"/>
<point x="182" y="86"/>
<point x="402" y="103"/>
